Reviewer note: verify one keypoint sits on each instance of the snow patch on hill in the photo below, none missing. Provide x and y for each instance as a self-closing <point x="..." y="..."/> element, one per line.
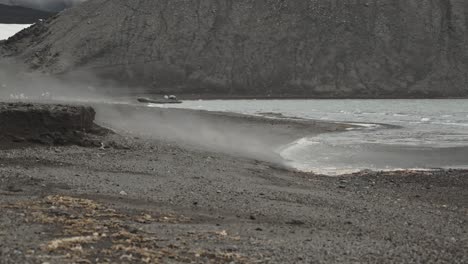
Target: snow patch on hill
<point x="8" y="30"/>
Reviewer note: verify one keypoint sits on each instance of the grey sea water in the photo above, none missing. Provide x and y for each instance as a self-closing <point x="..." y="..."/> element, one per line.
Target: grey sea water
<point x="432" y="133"/>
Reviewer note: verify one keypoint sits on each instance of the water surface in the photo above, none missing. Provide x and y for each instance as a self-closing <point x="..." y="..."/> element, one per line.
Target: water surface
<point x="432" y="133"/>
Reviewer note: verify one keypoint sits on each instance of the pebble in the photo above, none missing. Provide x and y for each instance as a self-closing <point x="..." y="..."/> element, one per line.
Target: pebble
<point x="123" y="193"/>
<point x="295" y="222"/>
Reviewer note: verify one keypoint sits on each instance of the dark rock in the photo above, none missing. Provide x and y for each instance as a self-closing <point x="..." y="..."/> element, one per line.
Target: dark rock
<point x="295" y="222"/>
<point x="59" y="212"/>
<point x="13" y="188"/>
<point x="48" y="124"/>
<point x="18" y="139"/>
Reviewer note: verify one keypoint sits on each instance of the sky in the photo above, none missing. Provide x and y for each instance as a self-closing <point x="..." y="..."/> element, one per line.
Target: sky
<point x="49" y="5"/>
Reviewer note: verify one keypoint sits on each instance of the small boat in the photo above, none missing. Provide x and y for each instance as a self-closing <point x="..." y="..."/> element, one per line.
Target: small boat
<point x="158" y="101"/>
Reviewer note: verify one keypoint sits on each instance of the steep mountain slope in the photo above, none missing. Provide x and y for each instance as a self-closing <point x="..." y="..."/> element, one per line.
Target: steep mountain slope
<point x="360" y="48"/>
<point x="20" y="15"/>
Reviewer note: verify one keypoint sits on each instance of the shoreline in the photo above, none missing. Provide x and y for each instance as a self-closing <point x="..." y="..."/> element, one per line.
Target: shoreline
<point x="242" y="135"/>
<point x="140" y="199"/>
<point x="195" y="97"/>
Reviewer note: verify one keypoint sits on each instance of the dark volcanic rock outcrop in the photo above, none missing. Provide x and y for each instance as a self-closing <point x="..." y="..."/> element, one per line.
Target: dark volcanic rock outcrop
<point x="48" y="124"/>
<point x="21" y="15"/>
<point x="321" y="48"/>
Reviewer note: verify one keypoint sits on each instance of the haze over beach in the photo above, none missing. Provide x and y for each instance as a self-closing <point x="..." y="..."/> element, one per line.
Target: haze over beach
<point x="241" y="131"/>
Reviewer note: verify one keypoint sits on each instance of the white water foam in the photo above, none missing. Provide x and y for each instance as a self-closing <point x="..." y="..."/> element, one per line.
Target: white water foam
<point x="292" y="151"/>
<point x="156" y="105"/>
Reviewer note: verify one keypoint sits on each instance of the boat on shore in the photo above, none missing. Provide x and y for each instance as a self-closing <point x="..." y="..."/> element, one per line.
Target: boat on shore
<point x="158" y="101"/>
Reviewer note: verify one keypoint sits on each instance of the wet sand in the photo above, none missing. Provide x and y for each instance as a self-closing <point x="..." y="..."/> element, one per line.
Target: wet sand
<point x="148" y="197"/>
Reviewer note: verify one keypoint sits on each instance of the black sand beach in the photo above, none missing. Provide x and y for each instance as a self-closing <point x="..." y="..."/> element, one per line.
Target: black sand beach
<point x="144" y="196"/>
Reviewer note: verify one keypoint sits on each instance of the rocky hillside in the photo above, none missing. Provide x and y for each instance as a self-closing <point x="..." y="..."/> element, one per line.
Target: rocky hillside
<point x="20" y="15"/>
<point x="305" y="48"/>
